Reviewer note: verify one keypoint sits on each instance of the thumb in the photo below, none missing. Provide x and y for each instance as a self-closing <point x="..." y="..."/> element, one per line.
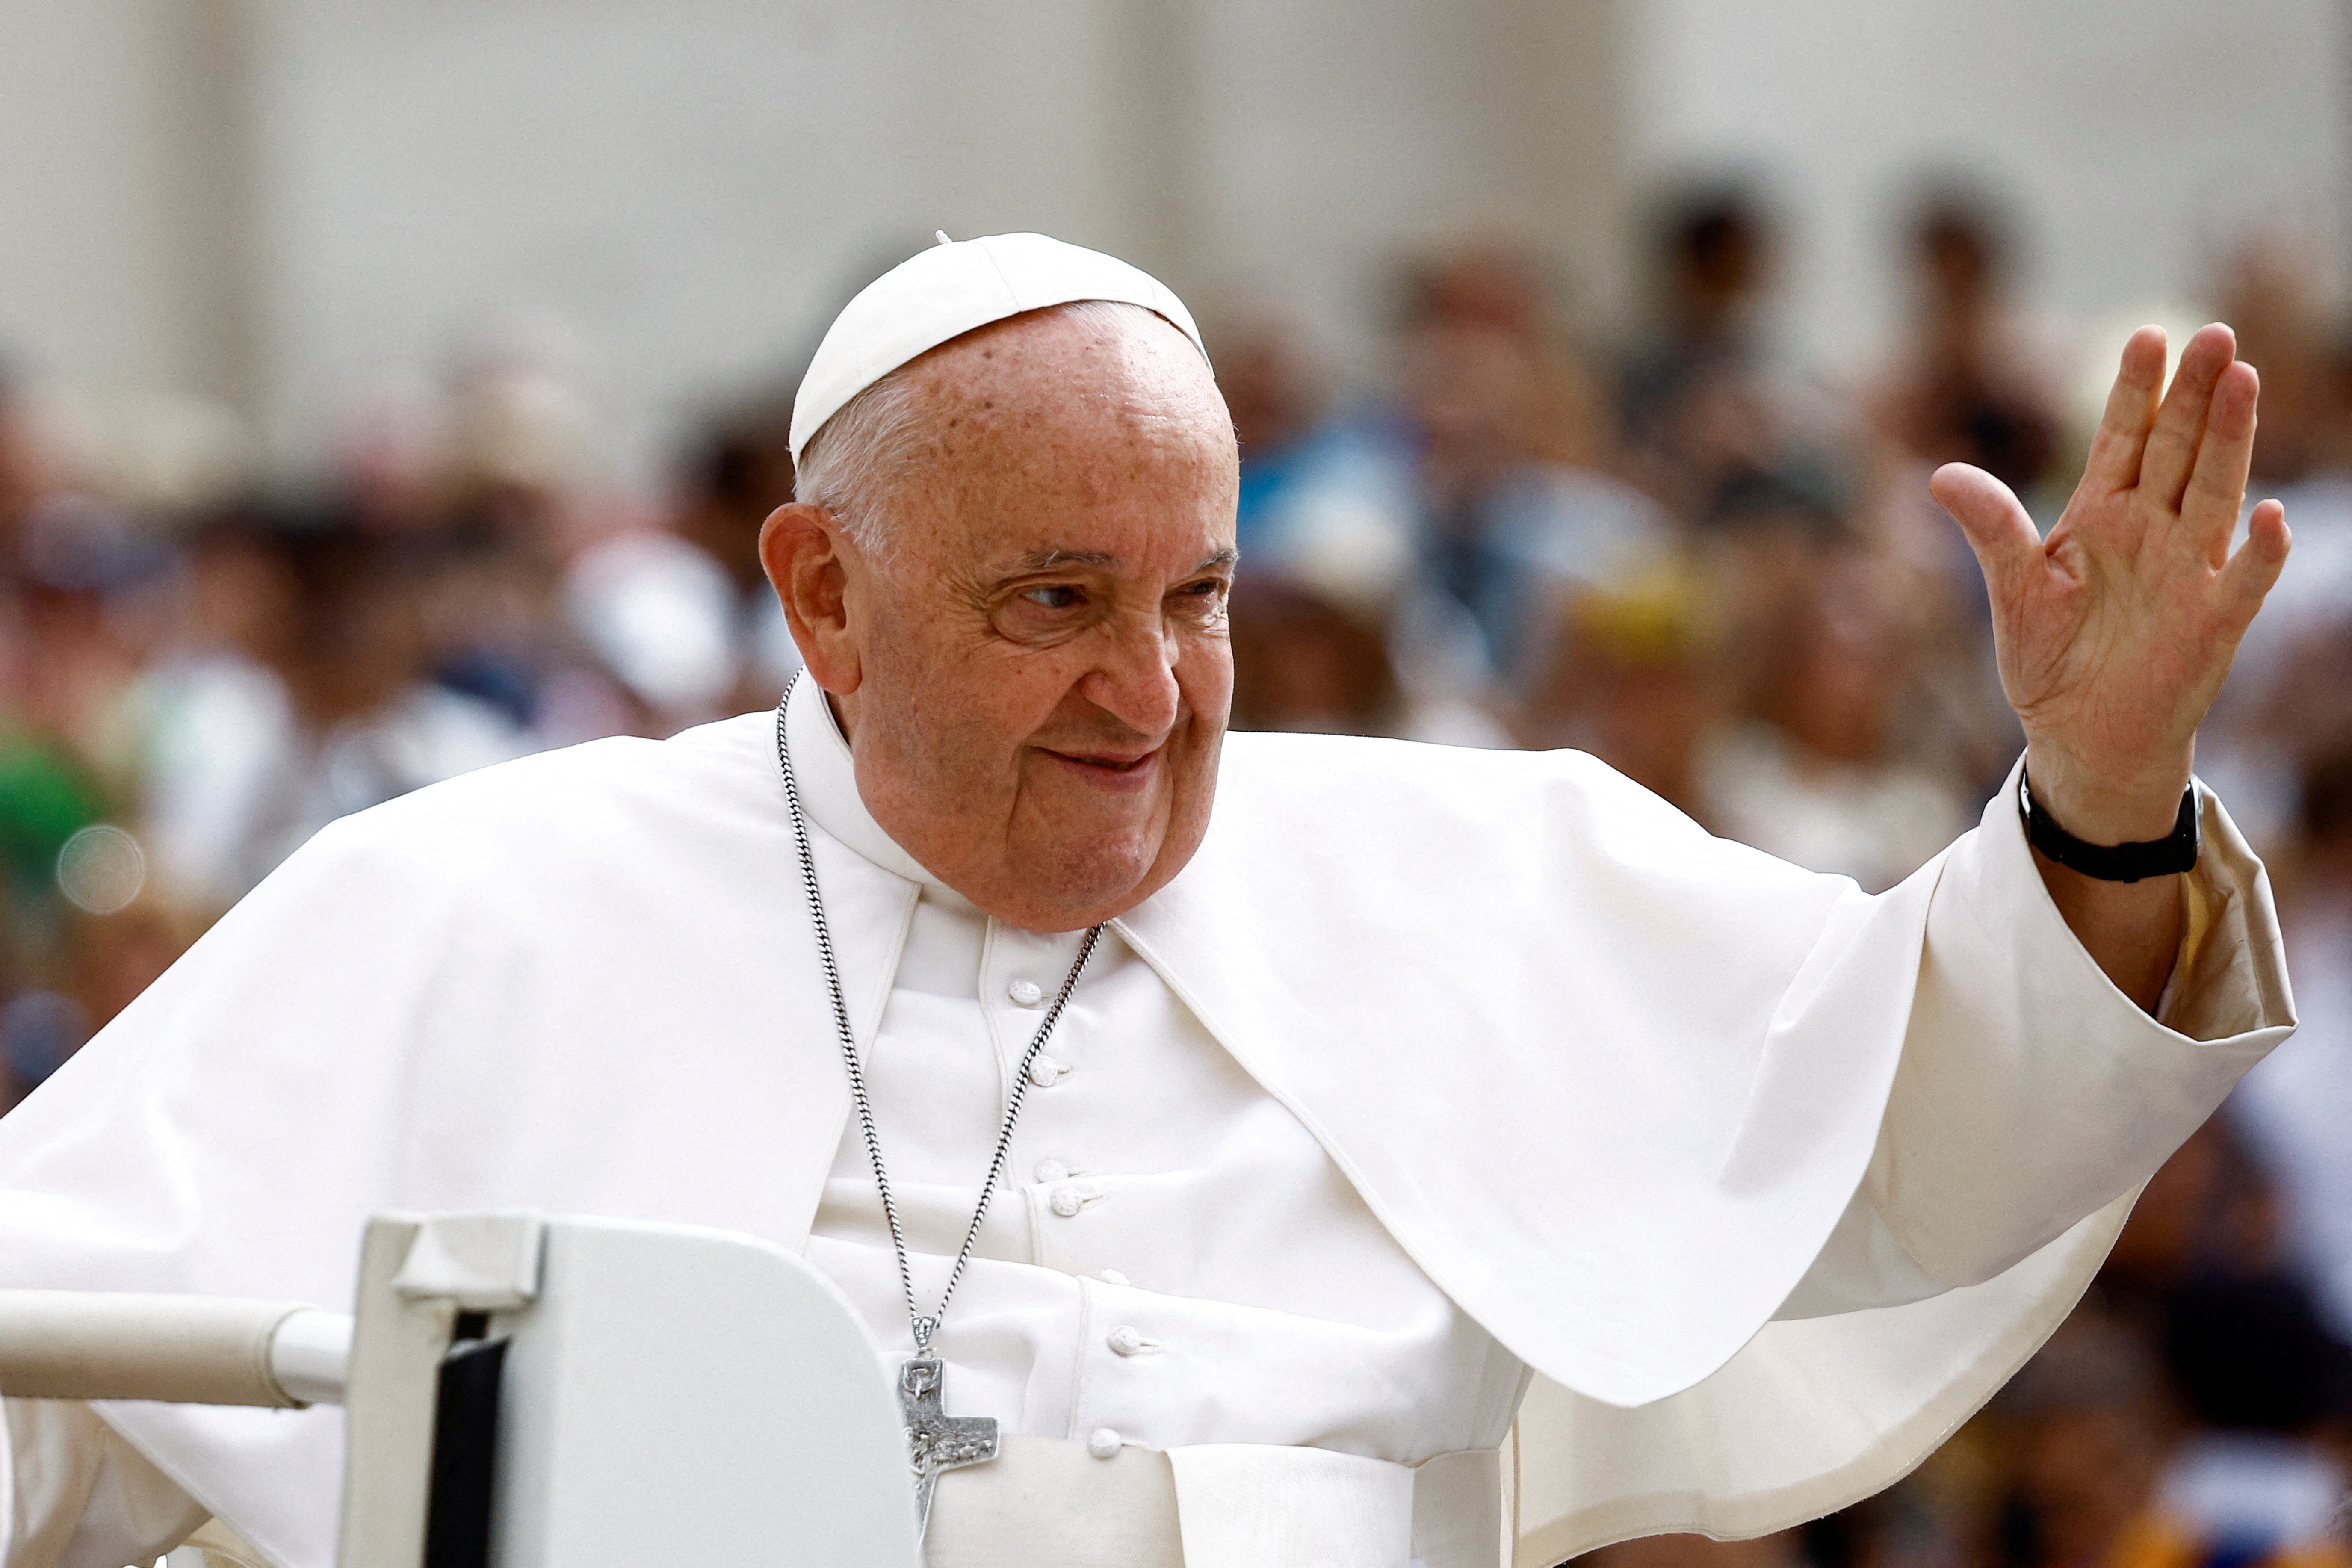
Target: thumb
<point x="2007" y="544"/>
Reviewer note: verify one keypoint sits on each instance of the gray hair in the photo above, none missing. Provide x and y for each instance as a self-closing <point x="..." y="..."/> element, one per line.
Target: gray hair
<point x="849" y="464"/>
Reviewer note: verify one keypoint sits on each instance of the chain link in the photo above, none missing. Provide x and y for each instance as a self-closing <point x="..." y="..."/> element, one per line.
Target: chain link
<point x="921" y="1324"/>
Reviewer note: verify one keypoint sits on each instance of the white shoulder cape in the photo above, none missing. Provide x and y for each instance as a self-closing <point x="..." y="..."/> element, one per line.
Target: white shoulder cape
<point x="1612" y="1082"/>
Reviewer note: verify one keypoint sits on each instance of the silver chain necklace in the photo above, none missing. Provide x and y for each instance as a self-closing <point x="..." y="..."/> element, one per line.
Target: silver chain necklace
<point x="936" y="1441"/>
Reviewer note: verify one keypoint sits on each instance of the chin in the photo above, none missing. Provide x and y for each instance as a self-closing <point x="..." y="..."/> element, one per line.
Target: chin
<point x="1090" y="866"/>
<point x="1099" y="880"/>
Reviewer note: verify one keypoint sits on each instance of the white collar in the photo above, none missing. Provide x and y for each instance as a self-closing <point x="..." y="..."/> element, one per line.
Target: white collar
<point x="827" y="775"/>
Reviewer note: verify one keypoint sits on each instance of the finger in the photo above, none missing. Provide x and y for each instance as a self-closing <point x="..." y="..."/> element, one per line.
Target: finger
<point x="2217" y="486"/>
<point x="2131" y="407"/>
<point x="2007" y="544"/>
<point x="2247" y="580"/>
<point x="2180" y="423"/>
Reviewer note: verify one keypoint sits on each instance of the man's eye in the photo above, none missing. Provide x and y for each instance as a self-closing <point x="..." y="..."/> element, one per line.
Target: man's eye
<point x="1053" y="596"/>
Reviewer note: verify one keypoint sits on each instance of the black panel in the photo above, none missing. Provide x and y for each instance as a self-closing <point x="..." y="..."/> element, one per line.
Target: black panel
<point x="465" y="1456"/>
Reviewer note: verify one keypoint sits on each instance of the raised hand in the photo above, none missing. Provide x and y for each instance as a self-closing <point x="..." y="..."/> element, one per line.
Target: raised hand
<point x="2114" y="634"/>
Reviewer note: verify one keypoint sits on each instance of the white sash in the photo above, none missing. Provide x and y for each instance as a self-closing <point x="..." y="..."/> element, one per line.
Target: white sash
<point x="1048" y="1503"/>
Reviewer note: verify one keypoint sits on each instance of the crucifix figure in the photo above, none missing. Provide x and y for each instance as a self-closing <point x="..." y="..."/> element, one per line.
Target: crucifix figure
<point x="937" y="1441"/>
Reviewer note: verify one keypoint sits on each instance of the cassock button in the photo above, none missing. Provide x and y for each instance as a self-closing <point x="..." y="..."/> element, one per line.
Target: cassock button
<point x="1129" y="1339"/>
<point x="1051" y="1171"/>
<point x="1046" y="1072"/>
<point x="1067" y="1201"/>
<point x="1025" y="992"/>
<point x="1103" y="1443"/>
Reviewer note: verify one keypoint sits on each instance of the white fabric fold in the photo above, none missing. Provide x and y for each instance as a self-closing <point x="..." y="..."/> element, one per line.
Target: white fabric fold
<point x="1962" y="1188"/>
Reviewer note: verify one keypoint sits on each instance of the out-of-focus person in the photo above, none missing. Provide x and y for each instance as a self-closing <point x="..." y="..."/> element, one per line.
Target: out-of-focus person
<point x="68" y="660"/>
<point x="737" y="471"/>
<point x="552" y="605"/>
<point x="2278" y="286"/>
<point x="304" y="694"/>
<point x="2086" y="1427"/>
<point x="110" y="955"/>
<point x="1453" y="513"/>
<point x="2254" y="1386"/>
<point x="1819" y="772"/>
<point x="1704" y="399"/>
<point x="1635" y="678"/>
<point x="1305" y="662"/>
<point x="1326" y="492"/>
<point x="2258" y="1477"/>
<point x="2288" y="695"/>
<point x="70" y="562"/>
<point x="1502" y="529"/>
<point x="1494" y="283"/>
<point x="2295" y="1112"/>
<point x="1965" y="388"/>
<point x="46" y="799"/>
<point x="662" y="617"/>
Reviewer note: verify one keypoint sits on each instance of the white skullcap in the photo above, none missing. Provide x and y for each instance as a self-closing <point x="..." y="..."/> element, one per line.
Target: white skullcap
<point x="949" y="291"/>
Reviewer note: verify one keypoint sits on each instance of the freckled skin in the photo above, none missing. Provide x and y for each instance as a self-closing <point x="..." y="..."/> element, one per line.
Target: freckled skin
<point x="1034" y="679"/>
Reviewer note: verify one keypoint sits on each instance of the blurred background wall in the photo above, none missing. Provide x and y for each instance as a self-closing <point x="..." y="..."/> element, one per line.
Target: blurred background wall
<point x="280" y="204"/>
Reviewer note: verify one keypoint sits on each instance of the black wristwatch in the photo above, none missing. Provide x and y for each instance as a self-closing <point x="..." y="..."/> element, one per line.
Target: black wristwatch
<point x="2112" y="862"/>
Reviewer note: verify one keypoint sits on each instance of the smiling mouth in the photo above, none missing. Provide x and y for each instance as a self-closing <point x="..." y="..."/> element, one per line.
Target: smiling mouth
<point x="1106" y="766"/>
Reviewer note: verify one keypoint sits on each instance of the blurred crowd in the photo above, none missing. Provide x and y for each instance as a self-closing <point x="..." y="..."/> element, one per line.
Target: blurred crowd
<point x="1677" y="549"/>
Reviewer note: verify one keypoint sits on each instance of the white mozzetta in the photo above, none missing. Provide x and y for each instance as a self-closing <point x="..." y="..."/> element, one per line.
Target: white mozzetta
<point x="1619" y="1090"/>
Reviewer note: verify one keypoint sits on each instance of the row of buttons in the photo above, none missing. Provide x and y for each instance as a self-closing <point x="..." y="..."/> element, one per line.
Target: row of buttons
<point x="1045" y="1071"/>
<point x="1067" y="1201"/>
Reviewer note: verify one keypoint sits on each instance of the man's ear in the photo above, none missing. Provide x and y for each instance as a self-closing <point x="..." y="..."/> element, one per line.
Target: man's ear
<point x="806" y="562"/>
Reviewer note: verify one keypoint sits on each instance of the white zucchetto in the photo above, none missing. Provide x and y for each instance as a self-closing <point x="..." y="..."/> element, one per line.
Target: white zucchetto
<point x="951" y="289"/>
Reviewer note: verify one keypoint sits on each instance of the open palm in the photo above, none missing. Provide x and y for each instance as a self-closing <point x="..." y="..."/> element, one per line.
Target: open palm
<point x="2115" y="633"/>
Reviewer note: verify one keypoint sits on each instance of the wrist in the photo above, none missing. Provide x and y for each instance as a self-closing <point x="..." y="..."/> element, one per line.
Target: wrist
<point x="2106" y="809"/>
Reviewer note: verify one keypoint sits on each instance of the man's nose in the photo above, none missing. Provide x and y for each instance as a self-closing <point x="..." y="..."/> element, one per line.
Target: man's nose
<point x="1135" y="680"/>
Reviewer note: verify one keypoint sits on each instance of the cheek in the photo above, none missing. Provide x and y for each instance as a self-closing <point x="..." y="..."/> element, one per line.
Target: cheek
<point x="1206" y="677"/>
<point x="1205" y="672"/>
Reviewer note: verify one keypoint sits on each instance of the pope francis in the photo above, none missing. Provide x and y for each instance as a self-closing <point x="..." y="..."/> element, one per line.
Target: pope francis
<point x="1311" y="1152"/>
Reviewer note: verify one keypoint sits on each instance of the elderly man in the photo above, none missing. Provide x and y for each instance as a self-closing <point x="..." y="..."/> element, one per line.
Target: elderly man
<point x="1257" y="1167"/>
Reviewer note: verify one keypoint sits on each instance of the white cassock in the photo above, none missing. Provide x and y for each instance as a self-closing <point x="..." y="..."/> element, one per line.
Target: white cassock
<point x="1442" y="1087"/>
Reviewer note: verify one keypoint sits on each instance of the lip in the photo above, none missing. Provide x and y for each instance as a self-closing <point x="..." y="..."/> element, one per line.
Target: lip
<point x="1110" y="770"/>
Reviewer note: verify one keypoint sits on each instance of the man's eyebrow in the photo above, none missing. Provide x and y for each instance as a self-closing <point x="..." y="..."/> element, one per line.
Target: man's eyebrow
<point x="1054" y="560"/>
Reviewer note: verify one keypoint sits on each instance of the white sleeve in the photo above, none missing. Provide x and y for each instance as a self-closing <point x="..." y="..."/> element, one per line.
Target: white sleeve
<point x="78" y="1495"/>
<point x="2031" y="1091"/>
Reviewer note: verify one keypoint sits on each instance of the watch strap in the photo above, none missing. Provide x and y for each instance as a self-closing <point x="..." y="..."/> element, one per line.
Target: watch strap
<point x="2164" y="856"/>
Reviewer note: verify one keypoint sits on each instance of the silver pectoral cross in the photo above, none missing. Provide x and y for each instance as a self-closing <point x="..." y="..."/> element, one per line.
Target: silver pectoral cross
<point x="937" y="1441"/>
